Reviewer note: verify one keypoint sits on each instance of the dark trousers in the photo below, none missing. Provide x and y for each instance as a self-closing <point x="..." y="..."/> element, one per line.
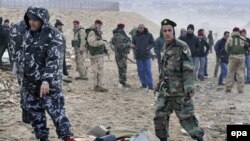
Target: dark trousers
<point x="65" y="71"/>
<point x="205" y="68"/>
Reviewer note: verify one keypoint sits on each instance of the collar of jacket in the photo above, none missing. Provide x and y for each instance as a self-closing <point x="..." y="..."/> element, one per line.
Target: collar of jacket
<point x="144" y="32"/>
<point x="235" y="34"/>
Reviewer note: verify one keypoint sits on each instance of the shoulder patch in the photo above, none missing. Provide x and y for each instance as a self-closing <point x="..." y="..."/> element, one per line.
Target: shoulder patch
<point x="185" y="51"/>
<point x="181" y="43"/>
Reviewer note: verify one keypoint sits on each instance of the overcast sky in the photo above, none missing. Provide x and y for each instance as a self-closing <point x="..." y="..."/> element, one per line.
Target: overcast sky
<point x="209" y="14"/>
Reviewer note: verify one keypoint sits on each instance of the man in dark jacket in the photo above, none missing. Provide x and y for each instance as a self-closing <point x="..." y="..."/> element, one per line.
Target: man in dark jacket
<point x="159" y="42"/>
<point x="143" y="42"/>
<point x="4" y="31"/>
<point x="59" y="25"/>
<point x="200" y="58"/>
<point x="243" y="33"/>
<point x="41" y="67"/>
<point x="1" y="38"/>
<point x="183" y="34"/>
<point x="191" y="40"/>
<point x="223" y="57"/>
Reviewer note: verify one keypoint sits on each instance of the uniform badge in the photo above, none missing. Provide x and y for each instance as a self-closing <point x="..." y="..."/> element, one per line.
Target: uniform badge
<point x="185" y="51"/>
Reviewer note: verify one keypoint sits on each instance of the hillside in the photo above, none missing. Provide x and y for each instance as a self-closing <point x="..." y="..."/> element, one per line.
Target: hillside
<point x="86" y="18"/>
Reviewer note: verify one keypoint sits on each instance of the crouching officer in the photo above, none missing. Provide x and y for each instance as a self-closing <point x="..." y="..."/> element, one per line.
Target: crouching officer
<point x="175" y="87"/>
<point x="42" y="62"/>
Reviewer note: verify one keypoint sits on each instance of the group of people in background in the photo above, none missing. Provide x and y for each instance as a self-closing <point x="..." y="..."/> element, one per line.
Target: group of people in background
<point x="37" y="52"/>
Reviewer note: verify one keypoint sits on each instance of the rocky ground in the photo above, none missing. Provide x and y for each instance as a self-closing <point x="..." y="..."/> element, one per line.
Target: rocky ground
<point x="125" y="108"/>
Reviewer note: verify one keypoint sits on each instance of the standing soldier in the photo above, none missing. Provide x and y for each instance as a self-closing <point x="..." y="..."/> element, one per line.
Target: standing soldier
<point x="210" y="40"/>
<point x="121" y="43"/>
<point x="41" y="65"/>
<point x="17" y="32"/>
<point x="97" y="49"/>
<point x="175" y="87"/>
<point x="236" y="51"/>
<point x="79" y="43"/>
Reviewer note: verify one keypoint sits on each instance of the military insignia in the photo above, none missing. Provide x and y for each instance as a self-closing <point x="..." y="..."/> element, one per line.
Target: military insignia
<point x="185" y="51"/>
<point x="165" y="21"/>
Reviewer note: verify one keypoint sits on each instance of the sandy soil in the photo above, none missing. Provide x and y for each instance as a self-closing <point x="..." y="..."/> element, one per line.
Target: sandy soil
<point x="123" y="108"/>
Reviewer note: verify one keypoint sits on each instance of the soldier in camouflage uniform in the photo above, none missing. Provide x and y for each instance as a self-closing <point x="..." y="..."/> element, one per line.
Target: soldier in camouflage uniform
<point x="121" y="43"/>
<point x="96" y="51"/>
<point x="80" y="50"/>
<point x="17" y="32"/>
<point x="41" y="62"/>
<point x="175" y="87"/>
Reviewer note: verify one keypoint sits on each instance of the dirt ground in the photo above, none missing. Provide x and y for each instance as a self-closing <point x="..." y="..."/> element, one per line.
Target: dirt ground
<point x="131" y="108"/>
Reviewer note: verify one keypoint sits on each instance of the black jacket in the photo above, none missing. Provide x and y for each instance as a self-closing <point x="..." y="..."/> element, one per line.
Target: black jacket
<point x="220" y="50"/>
<point x="192" y="42"/>
<point x="2" y="33"/>
<point x="203" y="48"/>
<point x="143" y="42"/>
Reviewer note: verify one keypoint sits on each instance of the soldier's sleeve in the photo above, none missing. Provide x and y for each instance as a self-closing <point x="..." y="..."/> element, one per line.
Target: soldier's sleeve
<point x="228" y="43"/>
<point x="187" y="70"/>
<point x="54" y="58"/>
<point x="83" y="40"/>
<point x="92" y="40"/>
<point x="12" y="43"/>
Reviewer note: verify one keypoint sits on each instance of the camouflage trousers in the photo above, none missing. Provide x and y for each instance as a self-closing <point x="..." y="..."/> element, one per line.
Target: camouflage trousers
<point x="25" y="114"/>
<point x="236" y="68"/>
<point x="80" y="62"/>
<point x="121" y="62"/>
<point x="53" y="103"/>
<point x="184" y="109"/>
<point x="97" y="66"/>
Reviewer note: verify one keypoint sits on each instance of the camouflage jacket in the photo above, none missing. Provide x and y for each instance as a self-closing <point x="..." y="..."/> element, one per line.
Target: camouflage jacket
<point x="120" y="41"/>
<point x="42" y="54"/>
<point x="176" y="74"/>
<point x="17" y="32"/>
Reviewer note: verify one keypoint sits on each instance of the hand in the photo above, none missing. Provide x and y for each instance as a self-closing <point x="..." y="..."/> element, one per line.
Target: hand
<point x="132" y="45"/>
<point x="44" y="88"/>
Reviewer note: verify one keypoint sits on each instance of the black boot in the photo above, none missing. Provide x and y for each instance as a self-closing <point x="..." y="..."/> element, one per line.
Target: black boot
<point x="25" y="116"/>
<point x="200" y="139"/>
<point x="164" y="139"/>
<point x="44" y="139"/>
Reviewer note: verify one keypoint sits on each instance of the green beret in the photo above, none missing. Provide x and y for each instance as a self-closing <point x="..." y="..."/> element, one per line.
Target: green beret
<point x="168" y="22"/>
